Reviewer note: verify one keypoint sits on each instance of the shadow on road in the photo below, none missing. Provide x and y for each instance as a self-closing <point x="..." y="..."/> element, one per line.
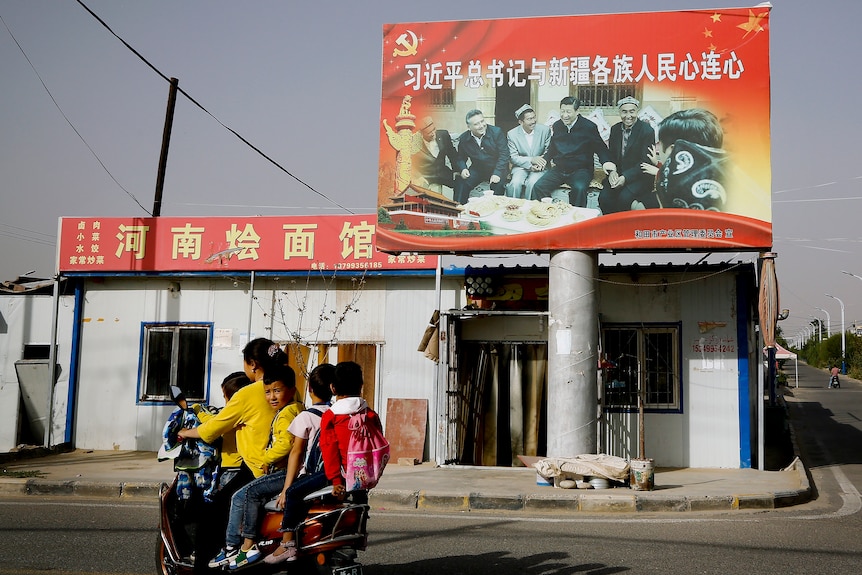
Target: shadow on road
<point x="498" y="563"/>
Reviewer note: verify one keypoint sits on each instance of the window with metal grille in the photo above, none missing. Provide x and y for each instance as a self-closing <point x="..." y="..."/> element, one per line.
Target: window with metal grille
<point x="442" y="98"/>
<point x="645" y="358"/>
<point x="604" y="95"/>
<point x="175" y="354"/>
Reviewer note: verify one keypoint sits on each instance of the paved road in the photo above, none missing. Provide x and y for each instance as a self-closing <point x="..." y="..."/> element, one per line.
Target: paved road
<point x="62" y="536"/>
<point x="828" y="426"/>
<point x="65" y="535"/>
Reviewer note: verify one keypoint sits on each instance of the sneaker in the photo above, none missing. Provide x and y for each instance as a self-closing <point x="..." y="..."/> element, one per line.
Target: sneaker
<point x="288" y="554"/>
<point x="244" y="558"/>
<point x="223" y="558"/>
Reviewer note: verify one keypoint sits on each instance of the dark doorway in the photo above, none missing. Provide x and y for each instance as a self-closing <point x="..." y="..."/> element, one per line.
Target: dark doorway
<point x="509" y="99"/>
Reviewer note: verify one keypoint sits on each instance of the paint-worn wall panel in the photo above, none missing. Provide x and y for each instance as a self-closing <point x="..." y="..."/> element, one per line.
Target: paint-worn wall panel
<point x="26" y="319"/>
<point x="108" y="414"/>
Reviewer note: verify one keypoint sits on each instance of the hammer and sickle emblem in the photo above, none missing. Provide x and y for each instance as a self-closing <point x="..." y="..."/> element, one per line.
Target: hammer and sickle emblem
<point x="410" y="46"/>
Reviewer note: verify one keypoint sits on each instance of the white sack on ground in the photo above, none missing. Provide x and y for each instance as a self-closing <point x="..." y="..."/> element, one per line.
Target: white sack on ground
<point x="601" y="465"/>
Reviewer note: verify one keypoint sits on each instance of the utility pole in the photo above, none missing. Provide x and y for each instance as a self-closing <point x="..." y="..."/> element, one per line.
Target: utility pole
<point x="166" y="142"/>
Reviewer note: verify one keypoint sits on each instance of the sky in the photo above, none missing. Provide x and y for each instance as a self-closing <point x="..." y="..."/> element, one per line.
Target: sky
<point x="81" y="121"/>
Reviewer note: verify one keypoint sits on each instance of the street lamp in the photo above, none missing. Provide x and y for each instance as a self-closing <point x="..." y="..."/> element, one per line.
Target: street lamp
<point x="819" y="327"/>
<point x="843" y="348"/>
<point x="828" y="322"/>
<point x="854" y="275"/>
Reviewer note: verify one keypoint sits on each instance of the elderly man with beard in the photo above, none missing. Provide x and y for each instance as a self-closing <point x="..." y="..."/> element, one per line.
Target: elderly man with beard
<point x="629" y="143"/>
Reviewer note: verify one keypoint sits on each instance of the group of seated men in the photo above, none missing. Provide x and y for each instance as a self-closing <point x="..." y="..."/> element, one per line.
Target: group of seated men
<point x="533" y="161"/>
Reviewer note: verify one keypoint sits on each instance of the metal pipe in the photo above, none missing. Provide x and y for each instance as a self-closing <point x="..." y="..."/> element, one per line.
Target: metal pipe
<point x="828" y="322"/>
<point x="843" y="343"/>
<point x="52" y="361"/>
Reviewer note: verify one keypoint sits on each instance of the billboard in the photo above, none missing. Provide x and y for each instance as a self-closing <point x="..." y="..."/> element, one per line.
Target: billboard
<point x="642" y="131"/>
<point x="246" y="243"/>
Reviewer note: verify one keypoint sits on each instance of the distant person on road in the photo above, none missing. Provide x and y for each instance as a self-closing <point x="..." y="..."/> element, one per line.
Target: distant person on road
<point x="833" y="379"/>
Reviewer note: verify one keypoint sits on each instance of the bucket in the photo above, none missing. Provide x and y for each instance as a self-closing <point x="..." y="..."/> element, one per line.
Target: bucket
<point x="542" y="480"/>
<point x="642" y="474"/>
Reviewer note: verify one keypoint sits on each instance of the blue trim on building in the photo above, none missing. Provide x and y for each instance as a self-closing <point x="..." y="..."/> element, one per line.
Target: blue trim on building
<point x="74" y="362"/>
<point x="742" y="319"/>
<point x="258" y="274"/>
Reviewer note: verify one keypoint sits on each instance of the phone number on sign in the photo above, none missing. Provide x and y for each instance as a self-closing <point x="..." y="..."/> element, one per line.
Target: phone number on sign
<point x="709" y="348"/>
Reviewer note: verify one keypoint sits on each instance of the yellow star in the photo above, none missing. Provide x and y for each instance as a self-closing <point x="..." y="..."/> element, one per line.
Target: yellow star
<point x="712" y="47"/>
<point x="707" y="33"/>
<point x="716" y="17"/>
<point x="753" y="24"/>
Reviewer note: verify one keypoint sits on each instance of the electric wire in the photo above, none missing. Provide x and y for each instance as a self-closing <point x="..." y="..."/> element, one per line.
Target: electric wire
<point x="68" y="121"/>
<point x="17" y="236"/>
<point x="211" y="115"/>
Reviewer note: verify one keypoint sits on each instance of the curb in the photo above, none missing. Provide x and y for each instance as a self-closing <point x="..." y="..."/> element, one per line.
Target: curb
<point x="566" y="502"/>
<point x="130" y="490"/>
<point x="403" y="500"/>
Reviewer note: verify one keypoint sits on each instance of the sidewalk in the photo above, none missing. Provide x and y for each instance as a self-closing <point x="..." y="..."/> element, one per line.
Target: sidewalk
<point x="426" y="487"/>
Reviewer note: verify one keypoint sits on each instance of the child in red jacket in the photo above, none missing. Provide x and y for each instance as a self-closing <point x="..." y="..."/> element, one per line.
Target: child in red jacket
<point x="334" y="434"/>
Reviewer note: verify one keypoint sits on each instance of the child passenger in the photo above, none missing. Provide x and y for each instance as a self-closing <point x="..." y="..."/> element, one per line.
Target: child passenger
<point x="229" y="457"/>
<point x="334" y="433"/>
<point x="240" y="548"/>
<point x="305" y="428"/>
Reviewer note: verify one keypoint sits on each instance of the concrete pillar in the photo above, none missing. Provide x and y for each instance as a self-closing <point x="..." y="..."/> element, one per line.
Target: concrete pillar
<point x="572" y="353"/>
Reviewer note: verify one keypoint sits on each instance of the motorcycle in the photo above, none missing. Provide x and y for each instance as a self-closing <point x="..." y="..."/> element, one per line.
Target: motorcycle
<point x="833" y="382"/>
<point x="327" y="541"/>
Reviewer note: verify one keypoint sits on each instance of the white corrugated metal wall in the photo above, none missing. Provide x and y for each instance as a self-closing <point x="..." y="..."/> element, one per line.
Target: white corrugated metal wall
<point x="706" y="433"/>
<point x="25" y="319"/>
<point x="393" y="310"/>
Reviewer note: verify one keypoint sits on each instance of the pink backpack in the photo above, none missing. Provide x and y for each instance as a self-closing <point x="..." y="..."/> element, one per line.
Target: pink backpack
<point x="367" y="453"/>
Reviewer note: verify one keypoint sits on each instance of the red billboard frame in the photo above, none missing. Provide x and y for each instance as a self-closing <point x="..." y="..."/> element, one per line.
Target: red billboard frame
<point x="712" y="60"/>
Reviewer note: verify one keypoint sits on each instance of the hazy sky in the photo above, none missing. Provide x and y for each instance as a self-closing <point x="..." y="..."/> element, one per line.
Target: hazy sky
<point x="301" y="81"/>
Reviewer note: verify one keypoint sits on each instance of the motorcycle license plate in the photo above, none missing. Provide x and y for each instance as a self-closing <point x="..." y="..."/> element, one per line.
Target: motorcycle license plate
<point x="349" y="570"/>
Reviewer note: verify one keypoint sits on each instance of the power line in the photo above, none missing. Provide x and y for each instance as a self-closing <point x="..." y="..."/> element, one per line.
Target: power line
<point x="68" y="121"/>
<point x="210" y="114"/>
<point x="26" y="239"/>
<point x="46" y="236"/>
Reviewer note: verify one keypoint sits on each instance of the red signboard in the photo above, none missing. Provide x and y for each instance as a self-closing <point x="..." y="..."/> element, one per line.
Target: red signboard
<point x="651" y="133"/>
<point x="320" y="243"/>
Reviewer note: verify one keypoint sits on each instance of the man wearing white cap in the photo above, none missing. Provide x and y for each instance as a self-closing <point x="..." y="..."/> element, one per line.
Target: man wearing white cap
<point x="629" y="187"/>
<point x="527" y="144"/>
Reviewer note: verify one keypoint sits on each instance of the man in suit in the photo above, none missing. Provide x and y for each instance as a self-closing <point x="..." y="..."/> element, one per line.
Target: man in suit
<point x="630" y="141"/>
<point x="486" y="148"/>
<point x="430" y="169"/>
<point x="528" y="142"/>
<point x="574" y="142"/>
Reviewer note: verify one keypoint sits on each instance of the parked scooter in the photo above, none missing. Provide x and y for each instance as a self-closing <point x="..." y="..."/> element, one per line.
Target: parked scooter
<point x="327" y="541"/>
